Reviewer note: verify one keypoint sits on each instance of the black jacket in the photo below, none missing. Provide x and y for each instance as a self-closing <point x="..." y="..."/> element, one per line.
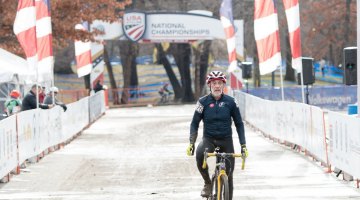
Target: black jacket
<point x="216" y="116"/>
<point x="49" y="100"/>
<point x="98" y="87"/>
<point x="29" y="102"/>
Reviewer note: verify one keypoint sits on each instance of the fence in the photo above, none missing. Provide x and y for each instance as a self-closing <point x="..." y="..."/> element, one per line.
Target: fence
<point x="30" y="134"/>
<point x="331" y="138"/>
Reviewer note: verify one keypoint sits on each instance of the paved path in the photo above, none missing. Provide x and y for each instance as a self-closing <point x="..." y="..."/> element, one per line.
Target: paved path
<point x="139" y="153"/>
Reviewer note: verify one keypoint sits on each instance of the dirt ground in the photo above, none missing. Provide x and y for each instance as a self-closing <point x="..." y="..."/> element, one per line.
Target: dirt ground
<point x="139" y="154"/>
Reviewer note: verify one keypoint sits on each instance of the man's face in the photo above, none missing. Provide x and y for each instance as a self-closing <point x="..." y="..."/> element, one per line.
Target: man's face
<point x="217" y="87"/>
<point x="34" y="90"/>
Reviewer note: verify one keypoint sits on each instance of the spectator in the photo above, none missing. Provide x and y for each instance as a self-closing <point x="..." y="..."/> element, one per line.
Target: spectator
<point x="14" y="104"/>
<point x="322" y="66"/>
<point x="42" y="95"/>
<point x="49" y="98"/>
<point x="98" y="87"/>
<point x="29" y="101"/>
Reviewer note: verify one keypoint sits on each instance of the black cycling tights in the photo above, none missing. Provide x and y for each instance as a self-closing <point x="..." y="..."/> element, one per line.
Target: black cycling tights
<point x="226" y="145"/>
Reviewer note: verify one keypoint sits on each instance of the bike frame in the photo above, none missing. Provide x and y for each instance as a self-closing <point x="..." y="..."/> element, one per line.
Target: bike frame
<point x="221" y="173"/>
<point x="220" y="167"/>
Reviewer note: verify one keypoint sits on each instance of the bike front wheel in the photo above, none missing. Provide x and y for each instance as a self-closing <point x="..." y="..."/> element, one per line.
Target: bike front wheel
<point x="224" y="188"/>
<point x="222" y="192"/>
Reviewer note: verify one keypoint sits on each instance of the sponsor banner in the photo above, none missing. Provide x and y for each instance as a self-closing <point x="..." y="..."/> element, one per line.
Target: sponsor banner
<point x="315" y="141"/>
<point x="344" y="143"/>
<point x="182" y="27"/>
<point x="29" y="134"/>
<point x="39" y="129"/>
<point x="260" y="113"/>
<point x="330" y="97"/>
<point x="96" y="105"/>
<point x="8" y="146"/>
<point x="134" y="25"/>
<point x="239" y="39"/>
<point x="168" y="27"/>
<point x="297" y="123"/>
<point x="97" y="56"/>
<point x="51" y="126"/>
<point x="111" y="31"/>
<point x="75" y="118"/>
<point x="241" y="101"/>
<point x="282" y="129"/>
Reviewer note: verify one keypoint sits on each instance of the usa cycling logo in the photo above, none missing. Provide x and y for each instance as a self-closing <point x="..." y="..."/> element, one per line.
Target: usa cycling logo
<point x="134" y="24"/>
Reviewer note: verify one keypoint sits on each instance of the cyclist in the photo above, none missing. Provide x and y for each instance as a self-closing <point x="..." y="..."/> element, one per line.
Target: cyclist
<point x="164" y="92"/>
<point x="216" y="111"/>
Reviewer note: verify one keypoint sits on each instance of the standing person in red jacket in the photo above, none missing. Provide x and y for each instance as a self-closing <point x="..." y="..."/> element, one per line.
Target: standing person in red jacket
<point x="42" y="94"/>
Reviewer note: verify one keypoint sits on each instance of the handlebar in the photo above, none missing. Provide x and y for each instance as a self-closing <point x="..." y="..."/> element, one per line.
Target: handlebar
<point x="224" y="155"/>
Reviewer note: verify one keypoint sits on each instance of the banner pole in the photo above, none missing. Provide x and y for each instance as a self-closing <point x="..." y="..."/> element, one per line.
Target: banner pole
<point x="302" y="86"/>
<point x="37" y="82"/>
<point x="282" y="84"/>
<point x="358" y="57"/>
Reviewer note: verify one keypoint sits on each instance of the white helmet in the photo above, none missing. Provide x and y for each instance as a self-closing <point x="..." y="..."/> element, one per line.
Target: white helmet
<point x="215" y="75"/>
<point x="54" y="89"/>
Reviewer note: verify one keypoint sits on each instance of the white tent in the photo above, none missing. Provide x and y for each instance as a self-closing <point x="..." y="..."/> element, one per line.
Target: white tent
<point x="13" y="67"/>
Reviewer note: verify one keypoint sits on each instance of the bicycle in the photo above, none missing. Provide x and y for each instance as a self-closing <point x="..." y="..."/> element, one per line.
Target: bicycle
<point x="165" y="98"/>
<point x="219" y="180"/>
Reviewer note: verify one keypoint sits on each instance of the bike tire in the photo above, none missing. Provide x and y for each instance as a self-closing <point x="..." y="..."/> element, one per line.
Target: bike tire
<point x="224" y="188"/>
<point x="213" y="188"/>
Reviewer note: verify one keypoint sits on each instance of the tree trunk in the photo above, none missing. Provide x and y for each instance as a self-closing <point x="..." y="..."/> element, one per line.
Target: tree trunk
<point x="201" y="62"/>
<point x="113" y="85"/>
<point x="63" y="58"/>
<point x="290" y="72"/>
<point x="204" y="64"/>
<point x="331" y="55"/>
<point x="134" y="82"/>
<point x="182" y="55"/>
<point x="257" y="80"/>
<point x="169" y="71"/>
<point x="128" y="52"/>
<point x="87" y="83"/>
<point x="347" y="29"/>
<point x="196" y="57"/>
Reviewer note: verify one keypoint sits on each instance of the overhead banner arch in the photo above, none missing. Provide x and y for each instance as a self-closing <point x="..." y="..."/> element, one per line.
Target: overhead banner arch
<point x="166" y="27"/>
<point x="174" y="27"/>
<point x="181" y="27"/>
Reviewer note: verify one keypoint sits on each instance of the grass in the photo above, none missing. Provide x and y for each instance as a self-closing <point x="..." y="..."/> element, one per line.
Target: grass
<point x="153" y="74"/>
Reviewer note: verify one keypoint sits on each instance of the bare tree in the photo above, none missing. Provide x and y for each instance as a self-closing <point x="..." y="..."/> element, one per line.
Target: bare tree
<point x="327" y="27"/>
